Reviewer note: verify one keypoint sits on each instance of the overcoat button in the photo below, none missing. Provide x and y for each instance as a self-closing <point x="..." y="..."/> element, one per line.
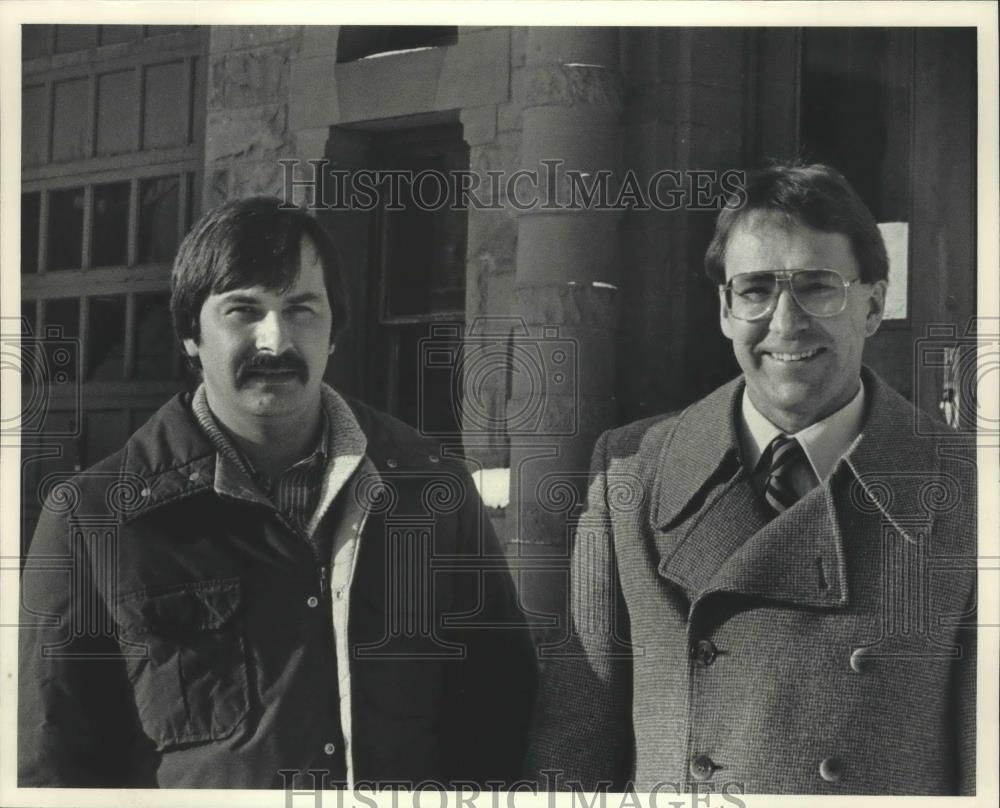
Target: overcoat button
<point x="702" y="767"/>
<point x="704" y="652"/>
<point x="829" y="769"/>
<point x="859" y="660"/>
<point x="329" y="748"/>
<point x="312" y="601"/>
<point x="144" y="492"/>
<point x="391" y="463"/>
<point x="434" y="459"/>
<point x="193" y="476"/>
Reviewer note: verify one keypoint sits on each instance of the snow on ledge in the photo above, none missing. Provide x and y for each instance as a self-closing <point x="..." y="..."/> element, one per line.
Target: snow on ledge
<point x="494" y="486"/>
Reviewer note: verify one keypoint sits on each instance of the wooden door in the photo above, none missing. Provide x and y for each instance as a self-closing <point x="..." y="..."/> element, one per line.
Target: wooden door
<point x="894" y="109"/>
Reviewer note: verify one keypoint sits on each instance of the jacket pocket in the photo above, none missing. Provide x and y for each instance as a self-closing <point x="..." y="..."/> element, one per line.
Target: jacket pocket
<point x="186" y="660"/>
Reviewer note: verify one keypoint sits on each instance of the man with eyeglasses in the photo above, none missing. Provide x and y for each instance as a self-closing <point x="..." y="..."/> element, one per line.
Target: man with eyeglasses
<point x="761" y="602"/>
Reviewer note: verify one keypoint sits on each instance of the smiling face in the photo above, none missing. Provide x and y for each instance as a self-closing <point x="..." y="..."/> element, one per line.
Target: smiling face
<point x="263" y="351"/>
<point x="799" y="369"/>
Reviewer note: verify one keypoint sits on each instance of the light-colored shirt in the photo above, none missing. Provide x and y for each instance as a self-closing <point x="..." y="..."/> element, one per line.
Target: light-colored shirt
<point x="304" y="502"/>
<point x="823" y="442"/>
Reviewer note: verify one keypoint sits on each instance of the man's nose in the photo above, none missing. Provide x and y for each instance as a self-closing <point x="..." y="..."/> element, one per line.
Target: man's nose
<point x="271" y="334"/>
<point x="787" y="317"/>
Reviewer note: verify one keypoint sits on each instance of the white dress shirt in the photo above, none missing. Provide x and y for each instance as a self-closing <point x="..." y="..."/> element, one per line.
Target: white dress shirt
<point x="823" y="443"/>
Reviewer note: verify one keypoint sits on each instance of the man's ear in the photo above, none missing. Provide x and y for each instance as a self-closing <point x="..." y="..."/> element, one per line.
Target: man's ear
<point x="724" y="322"/>
<point x="876" y="307"/>
<point x="190" y="347"/>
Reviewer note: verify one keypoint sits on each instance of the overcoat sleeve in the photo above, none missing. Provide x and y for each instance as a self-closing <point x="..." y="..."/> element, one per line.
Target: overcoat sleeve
<point x="74" y="699"/>
<point x="583" y="730"/>
<point x="966" y="706"/>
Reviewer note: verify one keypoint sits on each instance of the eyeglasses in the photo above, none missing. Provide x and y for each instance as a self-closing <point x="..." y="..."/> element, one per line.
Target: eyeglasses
<point x="818" y="292"/>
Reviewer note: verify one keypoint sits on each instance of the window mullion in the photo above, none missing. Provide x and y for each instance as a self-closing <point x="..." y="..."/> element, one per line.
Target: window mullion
<point x="88" y="227"/>
<point x="84" y="338"/>
<point x="129" y="370"/>
<point x="90" y="145"/>
<point x="132" y="247"/>
<point x="183" y="197"/>
<point x="49" y="117"/>
<point x="43" y="235"/>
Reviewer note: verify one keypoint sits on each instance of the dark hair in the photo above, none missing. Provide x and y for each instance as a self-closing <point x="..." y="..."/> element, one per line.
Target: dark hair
<point x="249" y="242"/>
<point x="815" y="195"/>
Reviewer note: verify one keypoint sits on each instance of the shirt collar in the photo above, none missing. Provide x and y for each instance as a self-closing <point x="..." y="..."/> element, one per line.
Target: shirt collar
<point x="824" y="442"/>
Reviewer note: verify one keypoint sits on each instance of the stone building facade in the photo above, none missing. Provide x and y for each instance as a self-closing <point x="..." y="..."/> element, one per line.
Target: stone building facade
<point x="539" y="327"/>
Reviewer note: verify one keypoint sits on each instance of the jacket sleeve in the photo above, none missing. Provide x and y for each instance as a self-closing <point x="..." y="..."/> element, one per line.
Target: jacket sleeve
<point x="494" y="686"/>
<point x="583" y="730"/>
<point x="73" y="693"/>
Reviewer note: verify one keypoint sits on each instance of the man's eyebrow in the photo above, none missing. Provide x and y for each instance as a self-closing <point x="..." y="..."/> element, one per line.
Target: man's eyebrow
<point x="305" y="297"/>
<point x="242" y="296"/>
<point x="238" y="297"/>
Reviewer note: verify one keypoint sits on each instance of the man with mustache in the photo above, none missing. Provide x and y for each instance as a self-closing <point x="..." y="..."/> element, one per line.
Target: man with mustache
<point x="284" y="588"/>
<point x="774" y="590"/>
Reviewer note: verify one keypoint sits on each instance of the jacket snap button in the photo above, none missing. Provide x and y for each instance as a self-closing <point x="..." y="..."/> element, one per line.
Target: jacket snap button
<point x="704" y="652"/>
<point x="829" y="769"/>
<point x="144" y="492"/>
<point x="702" y="767"/>
<point x="391" y="463"/>
<point x="329" y="748"/>
<point x="193" y="476"/>
<point x="859" y="660"/>
<point x="434" y="459"/>
<point x="312" y="601"/>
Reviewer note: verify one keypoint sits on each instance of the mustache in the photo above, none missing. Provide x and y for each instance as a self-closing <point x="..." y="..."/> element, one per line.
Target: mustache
<point x="287" y="361"/>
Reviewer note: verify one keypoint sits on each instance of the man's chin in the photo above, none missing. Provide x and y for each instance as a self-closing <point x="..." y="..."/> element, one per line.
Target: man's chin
<point x="786" y="404"/>
<point x="274" y="399"/>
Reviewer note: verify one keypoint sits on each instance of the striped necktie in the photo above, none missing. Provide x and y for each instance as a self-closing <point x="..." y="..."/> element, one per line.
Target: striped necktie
<point x="784" y="453"/>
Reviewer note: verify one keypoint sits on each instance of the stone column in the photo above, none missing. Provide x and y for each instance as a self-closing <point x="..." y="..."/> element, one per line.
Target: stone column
<point x="246" y="128"/>
<point x="563" y="364"/>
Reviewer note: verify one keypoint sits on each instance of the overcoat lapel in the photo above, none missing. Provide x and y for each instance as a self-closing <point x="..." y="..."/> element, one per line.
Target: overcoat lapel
<point x="711" y="534"/>
<point x="702" y="445"/>
<point x="796" y="558"/>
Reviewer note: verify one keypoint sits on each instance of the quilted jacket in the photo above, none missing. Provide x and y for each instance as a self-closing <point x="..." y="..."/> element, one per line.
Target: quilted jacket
<point x="177" y="636"/>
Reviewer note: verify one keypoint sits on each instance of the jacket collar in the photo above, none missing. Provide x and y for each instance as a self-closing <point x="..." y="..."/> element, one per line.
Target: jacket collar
<point x="170" y="457"/>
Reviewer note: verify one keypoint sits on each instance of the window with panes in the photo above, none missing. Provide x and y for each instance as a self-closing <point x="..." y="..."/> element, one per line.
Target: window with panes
<point x="112" y="147"/>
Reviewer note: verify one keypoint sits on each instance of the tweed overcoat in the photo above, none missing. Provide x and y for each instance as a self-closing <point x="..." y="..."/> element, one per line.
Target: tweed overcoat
<point x="181" y="635"/>
<point x="830" y="650"/>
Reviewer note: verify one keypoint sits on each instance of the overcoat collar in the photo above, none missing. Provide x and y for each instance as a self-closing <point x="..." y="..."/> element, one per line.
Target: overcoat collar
<point x="893" y="475"/>
<point x="888" y="472"/>
<point x="895" y="462"/>
<point x="702" y="440"/>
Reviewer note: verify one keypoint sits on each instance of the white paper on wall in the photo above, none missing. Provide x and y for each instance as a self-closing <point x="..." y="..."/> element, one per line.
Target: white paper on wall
<point x="896" y="237"/>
